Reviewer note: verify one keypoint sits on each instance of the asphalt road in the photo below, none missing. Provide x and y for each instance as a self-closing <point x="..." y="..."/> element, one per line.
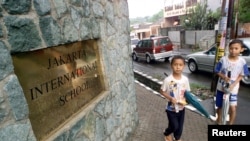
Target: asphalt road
<point x="157" y="69"/>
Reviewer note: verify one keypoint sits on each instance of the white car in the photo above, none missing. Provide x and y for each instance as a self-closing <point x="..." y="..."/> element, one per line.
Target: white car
<point x="204" y="60"/>
<point x="134" y="42"/>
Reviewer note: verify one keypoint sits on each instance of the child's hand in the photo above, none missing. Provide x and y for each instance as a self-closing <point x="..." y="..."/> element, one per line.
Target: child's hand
<point x="232" y="86"/>
<point x="227" y="79"/>
<point x="173" y="100"/>
<point x="183" y="102"/>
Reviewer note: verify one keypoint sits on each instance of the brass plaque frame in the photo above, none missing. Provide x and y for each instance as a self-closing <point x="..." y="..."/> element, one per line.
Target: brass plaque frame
<point x="58" y="82"/>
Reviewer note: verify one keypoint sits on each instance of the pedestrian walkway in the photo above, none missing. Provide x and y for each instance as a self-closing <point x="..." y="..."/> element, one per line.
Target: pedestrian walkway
<point x="153" y="119"/>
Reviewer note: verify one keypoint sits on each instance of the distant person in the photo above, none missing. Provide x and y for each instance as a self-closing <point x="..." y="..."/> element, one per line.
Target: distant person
<point x="236" y="66"/>
<point x="173" y="89"/>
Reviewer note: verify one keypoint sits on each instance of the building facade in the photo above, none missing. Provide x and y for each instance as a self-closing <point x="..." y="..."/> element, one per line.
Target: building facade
<point x="173" y="9"/>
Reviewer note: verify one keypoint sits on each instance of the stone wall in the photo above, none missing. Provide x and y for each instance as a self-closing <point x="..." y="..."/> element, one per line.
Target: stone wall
<point x="28" y="25"/>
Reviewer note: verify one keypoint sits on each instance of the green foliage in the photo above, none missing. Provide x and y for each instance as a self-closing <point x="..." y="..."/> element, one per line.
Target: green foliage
<point x="244" y="14"/>
<point x="197" y="86"/>
<point x="196" y="18"/>
<point x="156" y="17"/>
<point x="217" y="14"/>
<point x="138" y="20"/>
<point x="201" y="91"/>
<point x="212" y="18"/>
<point x="200" y="18"/>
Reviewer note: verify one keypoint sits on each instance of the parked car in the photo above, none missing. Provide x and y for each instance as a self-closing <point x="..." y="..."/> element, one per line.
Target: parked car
<point x="204" y="60"/>
<point x="153" y="48"/>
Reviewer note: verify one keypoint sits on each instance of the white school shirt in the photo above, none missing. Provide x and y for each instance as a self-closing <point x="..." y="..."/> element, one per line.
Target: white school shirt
<point x="176" y="88"/>
<point x="238" y="67"/>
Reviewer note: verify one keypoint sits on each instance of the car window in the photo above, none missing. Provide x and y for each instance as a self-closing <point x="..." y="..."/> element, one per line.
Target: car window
<point x="164" y="41"/>
<point x="145" y="43"/>
<point x="150" y="42"/>
<point x="140" y="44"/>
<point x="246" y="51"/>
<point x="246" y="43"/>
<point x="155" y="42"/>
<point x="211" y="51"/>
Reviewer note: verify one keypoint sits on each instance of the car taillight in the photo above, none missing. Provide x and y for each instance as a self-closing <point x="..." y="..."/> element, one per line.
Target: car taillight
<point x="154" y="51"/>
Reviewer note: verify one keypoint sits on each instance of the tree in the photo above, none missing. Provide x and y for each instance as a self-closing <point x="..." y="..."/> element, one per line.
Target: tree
<point x="138" y="20"/>
<point x="196" y="18"/>
<point x="244" y="14"/>
<point x="201" y="18"/>
<point x="212" y="18"/>
<point x="154" y="18"/>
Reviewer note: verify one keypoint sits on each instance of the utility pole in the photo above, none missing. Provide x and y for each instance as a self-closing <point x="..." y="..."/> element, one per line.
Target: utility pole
<point x="223" y="35"/>
<point x="229" y="24"/>
<point x="235" y="35"/>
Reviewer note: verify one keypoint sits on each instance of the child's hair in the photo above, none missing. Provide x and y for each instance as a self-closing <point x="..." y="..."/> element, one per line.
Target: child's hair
<point x="236" y="41"/>
<point x="175" y="57"/>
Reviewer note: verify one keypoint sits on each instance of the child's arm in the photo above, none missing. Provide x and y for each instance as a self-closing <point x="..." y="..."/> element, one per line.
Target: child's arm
<point x="218" y="68"/>
<point x="236" y="82"/>
<point x="223" y="76"/>
<point x="167" y="96"/>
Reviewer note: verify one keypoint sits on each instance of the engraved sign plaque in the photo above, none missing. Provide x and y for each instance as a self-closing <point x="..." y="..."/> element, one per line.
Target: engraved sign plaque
<point x="58" y="82"/>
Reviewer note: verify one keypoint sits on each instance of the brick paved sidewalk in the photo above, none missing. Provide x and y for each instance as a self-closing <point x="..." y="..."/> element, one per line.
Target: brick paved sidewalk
<point x="153" y="119"/>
